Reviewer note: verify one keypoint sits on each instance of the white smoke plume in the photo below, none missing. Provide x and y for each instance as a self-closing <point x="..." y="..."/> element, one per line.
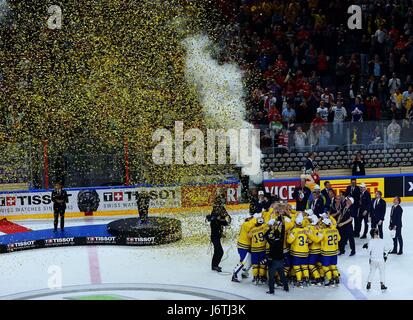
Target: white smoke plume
<point x="221" y="93"/>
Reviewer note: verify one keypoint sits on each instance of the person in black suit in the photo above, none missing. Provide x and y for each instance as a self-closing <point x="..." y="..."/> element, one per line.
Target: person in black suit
<point x="396" y="224"/>
<point x="378" y="212"/>
<point x="324" y="192"/>
<point x="301" y="195"/>
<point x="317" y="203"/>
<point x="358" y="168"/>
<point x="345" y="228"/>
<point x="218" y="219"/>
<point x="309" y="164"/>
<point x="354" y="191"/>
<point x="363" y="211"/>
<point x="59" y="199"/>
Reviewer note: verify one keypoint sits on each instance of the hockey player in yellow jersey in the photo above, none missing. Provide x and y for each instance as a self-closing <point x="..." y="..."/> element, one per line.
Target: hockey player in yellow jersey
<point x="289" y="222"/>
<point x="315" y="235"/>
<point x="258" y="247"/>
<point x="298" y="240"/>
<point x="329" y="252"/>
<point x="244" y="249"/>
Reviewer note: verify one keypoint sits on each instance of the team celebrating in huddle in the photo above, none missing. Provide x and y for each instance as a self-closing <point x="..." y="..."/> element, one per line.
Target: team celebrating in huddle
<point x="300" y="246"/>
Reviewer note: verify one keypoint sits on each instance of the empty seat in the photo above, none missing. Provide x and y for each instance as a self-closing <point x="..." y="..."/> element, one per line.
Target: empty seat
<point x="377" y="151"/>
<point x="370" y="151"/>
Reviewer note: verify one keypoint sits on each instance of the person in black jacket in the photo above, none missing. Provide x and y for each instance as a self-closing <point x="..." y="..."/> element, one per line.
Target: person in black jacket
<point x="143" y="200"/>
<point x="353" y="190"/>
<point x="363" y="211"/>
<point x="59" y="199"/>
<point x="317" y="204"/>
<point x="396" y="225"/>
<point x="378" y="212"/>
<point x="345" y="228"/>
<point x="275" y="256"/>
<point x="358" y="168"/>
<point x="327" y="188"/>
<point x="218" y="219"/>
<point x="301" y="195"/>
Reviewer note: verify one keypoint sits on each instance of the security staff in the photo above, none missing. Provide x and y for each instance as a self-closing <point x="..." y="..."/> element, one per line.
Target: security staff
<point x="317" y="204"/>
<point x="143" y="200"/>
<point x="396" y="225"/>
<point x="301" y="195"/>
<point x="59" y="199"/>
<point x="218" y="219"/>
<point x="363" y="211"/>
<point x="354" y="191"/>
<point x="345" y="228"/>
<point x="275" y="253"/>
<point x="378" y="212"/>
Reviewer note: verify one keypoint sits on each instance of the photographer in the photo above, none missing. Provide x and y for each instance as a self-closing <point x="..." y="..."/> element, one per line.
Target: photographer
<point x="275" y="255"/>
<point x="218" y="219"/>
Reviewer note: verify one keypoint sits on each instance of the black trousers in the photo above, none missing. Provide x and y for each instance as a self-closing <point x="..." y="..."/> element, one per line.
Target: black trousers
<point x="275" y="266"/>
<point x="374" y="225"/>
<point x="398" y="238"/>
<point x="358" y="222"/>
<point x="346" y="234"/>
<point x="218" y="252"/>
<point x="59" y="211"/>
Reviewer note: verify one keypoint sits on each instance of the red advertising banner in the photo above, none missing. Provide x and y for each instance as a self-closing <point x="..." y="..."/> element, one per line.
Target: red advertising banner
<point x="198" y="196"/>
<point x="283" y="189"/>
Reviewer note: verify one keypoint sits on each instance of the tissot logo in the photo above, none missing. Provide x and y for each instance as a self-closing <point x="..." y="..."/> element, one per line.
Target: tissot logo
<point x="26" y="200"/>
<point x="59" y="241"/>
<point x="20" y="245"/>
<point x="101" y="239"/>
<point x="133" y="240"/>
<point x="408" y="186"/>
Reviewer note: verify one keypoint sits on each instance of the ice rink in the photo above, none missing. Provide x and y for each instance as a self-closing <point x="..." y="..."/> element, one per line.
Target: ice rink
<point x="181" y="270"/>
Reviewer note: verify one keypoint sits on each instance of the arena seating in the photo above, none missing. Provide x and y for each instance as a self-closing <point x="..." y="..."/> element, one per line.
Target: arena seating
<point x="375" y="156"/>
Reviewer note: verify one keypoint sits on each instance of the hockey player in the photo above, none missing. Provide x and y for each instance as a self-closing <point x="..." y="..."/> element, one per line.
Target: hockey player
<point x="289" y="222"/>
<point x="244" y="249"/>
<point x="298" y="239"/>
<point x="258" y="246"/>
<point x="378" y="257"/>
<point x="329" y="251"/>
<point x="315" y="235"/>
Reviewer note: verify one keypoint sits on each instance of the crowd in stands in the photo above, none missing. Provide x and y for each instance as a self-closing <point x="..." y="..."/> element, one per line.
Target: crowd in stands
<point x="307" y="69"/>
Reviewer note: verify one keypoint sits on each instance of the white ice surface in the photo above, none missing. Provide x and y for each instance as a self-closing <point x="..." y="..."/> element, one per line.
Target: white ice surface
<point x="187" y="263"/>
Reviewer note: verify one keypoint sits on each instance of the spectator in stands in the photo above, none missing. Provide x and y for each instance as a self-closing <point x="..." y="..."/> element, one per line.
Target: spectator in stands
<point x="323" y="137"/>
<point x="397" y="98"/>
<point x="312" y="136"/>
<point x="394" y="83"/>
<point x="395" y="113"/>
<point x="357" y="110"/>
<point x="393" y="133"/>
<point x="378" y="212"/>
<point x="309" y="164"/>
<point x="373" y="107"/>
<point x="301" y="194"/>
<point x="288" y="115"/>
<point x="396" y="225"/>
<point x="300" y="139"/>
<point x="322" y="111"/>
<point x="340" y="115"/>
<point x="358" y="165"/>
<point x="407" y="100"/>
<point x="376" y="136"/>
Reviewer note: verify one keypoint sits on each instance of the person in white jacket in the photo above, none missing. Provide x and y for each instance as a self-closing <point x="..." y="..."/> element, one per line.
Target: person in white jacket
<point x="378" y="257"/>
